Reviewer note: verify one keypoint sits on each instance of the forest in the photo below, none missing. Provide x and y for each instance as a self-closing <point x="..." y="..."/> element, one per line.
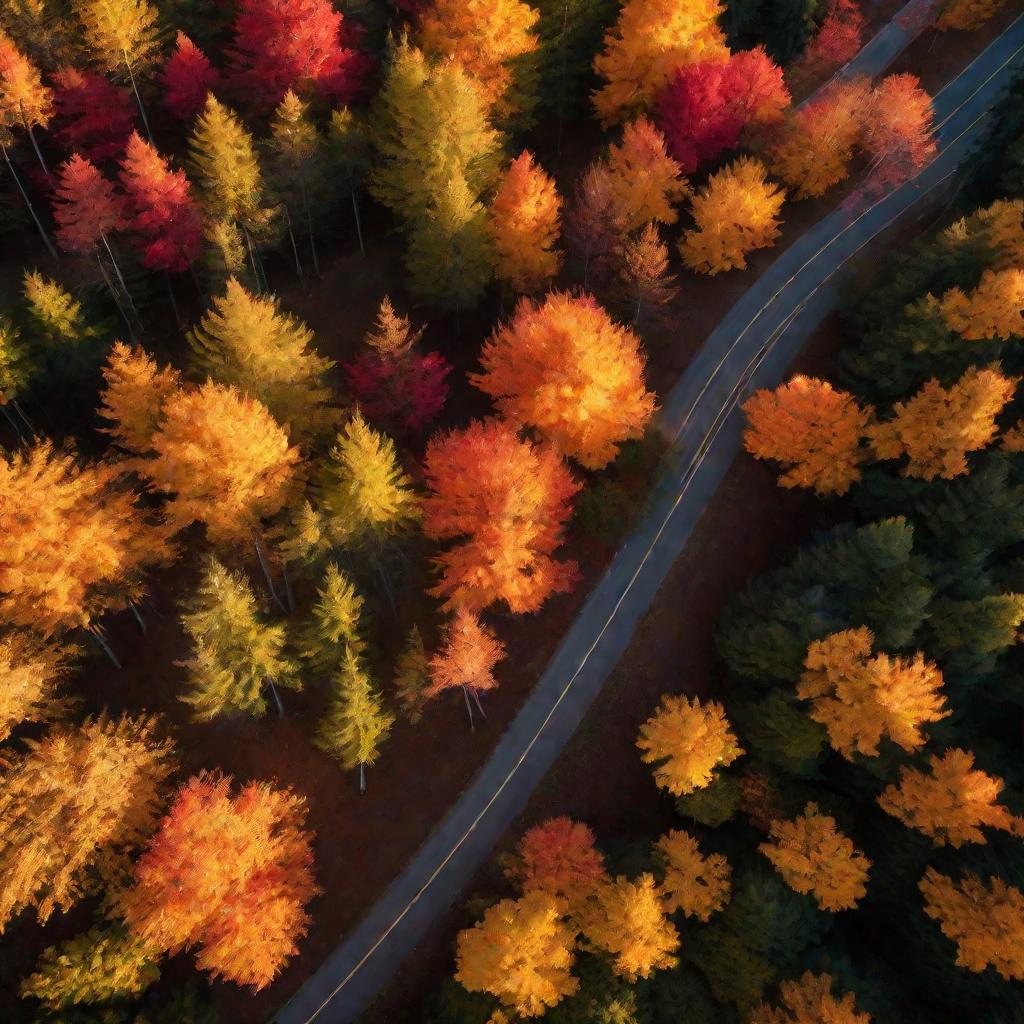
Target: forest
<point x="332" y="343"/>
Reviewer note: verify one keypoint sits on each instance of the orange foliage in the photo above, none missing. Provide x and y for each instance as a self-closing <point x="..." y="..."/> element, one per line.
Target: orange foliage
<point x="898" y="130"/>
<point x="30" y="671"/>
<point x="567" y="369"/>
<point x="967" y="14"/>
<point x="468" y="654"/>
<point x="644" y="181"/>
<point x="24" y="99"/>
<point x="811" y="428"/>
<point x="86" y="208"/>
<point x="992" y="310"/>
<point x="135" y="393"/>
<point x="810" y="1001"/>
<point x="697" y="885"/>
<point x="559" y="857"/>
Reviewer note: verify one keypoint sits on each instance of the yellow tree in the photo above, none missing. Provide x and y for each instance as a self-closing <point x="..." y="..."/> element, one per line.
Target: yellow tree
<point x="992" y="310"/>
<point x="78" y="796"/>
<point x="809" y="1000"/>
<point x="696" y="884"/>
<point x="949" y="803"/>
<point x="645" y="182"/>
<point x="687" y="742"/>
<point x="520" y="951"/>
<point x="245" y="341"/>
<point x="334" y="626"/>
<point x="986" y="921"/>
<point x="567" y="369"/>
<point x="24" y="100"/>
<point x="524" y="224"/>
<point x="628" y="921"/>
<point x="812" y="429"/>
<point x="814" y="857"/>
<point x="651" y="40"/>
<point x="135" y="392"/>
<point x="30" y="672"/>
<point x="736" y="213"/>
<point x="938" y="427"/>
<point x="54" y="314"/>
<point x="860" y="698"/>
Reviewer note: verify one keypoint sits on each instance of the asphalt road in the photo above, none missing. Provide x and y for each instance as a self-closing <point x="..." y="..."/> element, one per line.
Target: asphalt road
<point x="752" y="347"/>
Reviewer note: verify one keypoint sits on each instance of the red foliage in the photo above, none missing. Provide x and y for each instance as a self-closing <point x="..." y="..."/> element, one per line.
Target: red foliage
<point x="86" y="207"/>
<point x="287" y="44"/>
<point x="838" y="39"/>
<point x="899" y="133"/>
<point x="408" y="390"/>
<point x="559" y="856"/>
<point x="703" y="110"/>
<point x="187" y="77"/>
<point x="163" y="215"/>
<point x="93" y="116"/>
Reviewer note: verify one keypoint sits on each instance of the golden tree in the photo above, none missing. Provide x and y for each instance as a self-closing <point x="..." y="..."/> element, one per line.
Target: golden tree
<point x="986" y="921"/>
<point x="814" y="857"/>
<point x="949" y="803"/>
<point x="696" y="884"/>
<point x="992" y="310"/>
<point x="334" y="625"/>
<point x="135" y="392"/>
<point x="524" y="224"/>
<point x="412" y="675"/>
<point x="965" y="15"/>
<point x="809" y="1000"/>
<point x="567" y="369"/>
<point x="938" y="427"/>
<point x="30" y="672"/>
<point x="811" y="428"/>
<point x="628" y="921"/>
<point x="645" y="182"/>
<point x="469" y="651"/>
<point x="77" y="797"/>
<point x="860" y="698"/>
<point x="687" y="742"/>
<point x="651" y="40"/>
<point x="24" y="100"/>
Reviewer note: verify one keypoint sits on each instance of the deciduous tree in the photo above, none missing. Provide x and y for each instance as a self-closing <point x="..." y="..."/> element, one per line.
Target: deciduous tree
<point x="992" y="310"/>
<point x="187" y="78"/>
<point x="898" y="131"/>
<point x="566" y="368"/>
<point x="964" y="15"/>
<point x="809" y="1000"/>
<point x="24" y="100"/>
<point x="559" y="857"/>
<point x="591" y="228"/>
<point x="838" y="38"/>
<point x="92" y="115"/>
<point x="467" y="656"/>
<point x="30" y="674"/>
<point x="643" y="267"/>
<point x="696" y="884"/>
<point x="86" y="209"/>
<point x="135" y="392"/>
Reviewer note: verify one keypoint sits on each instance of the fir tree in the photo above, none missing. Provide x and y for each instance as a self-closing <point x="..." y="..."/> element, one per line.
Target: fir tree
<point x="334" y="626"/>
<point x="412" y="675"/>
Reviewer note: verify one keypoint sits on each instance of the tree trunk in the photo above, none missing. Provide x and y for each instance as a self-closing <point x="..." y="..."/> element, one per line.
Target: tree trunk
<point x="561" y="82"/>
<point x="102" y="641"/>
<point x="138" y="98"/>
<point x="288" y="595"/>
<point x="114" y="294"/>
<point x="28" y="202"/>
<point x="261" y="555"/>
<point x="28" y="423"/>
<point x="362" y="777"/>
<point x="138" y="618"/>
<point x="35" y="144"/>
<point x="359" y="223"/>
<point x="252" y="258"/>
<point x="277" y="698"/>
<point x="13" y="422"/>
<point x="469" y="710"/>
<point x="170" y="295"/>
<point x="476" y="697"/>
<point x="295" y="247"/>
<point x="309" y="226"/>
<point x="120" y="278"/>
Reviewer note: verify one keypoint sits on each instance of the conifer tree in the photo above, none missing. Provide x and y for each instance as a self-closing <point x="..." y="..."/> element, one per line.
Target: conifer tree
<point x="187" y="78"/>
<point x="898" y="130"/>
<point x="24" y="100"/>
<point x="348" y="151"/>
<point x="334" y="626"/>
<point x="992" y="310"/>
<point x="809" y="1000"/>
<point x="53" y="314"/>
<point x="235" y="654"/>
<point x="77" y="796"/>
<point x="412" y="675"/>
<point x="643" y="268"/>
<point x="696" y="884"/>
<point x="86" y="209"/>
<point x="30" y="674"/>
<point x="356" y="722"/>
<point x="592" y="230"/>
<point x="16" y="364"/>
<point x="505" y="558"/>
<point x="838" y="38"/>
<point x="245" y="341"/>
<point x="566" y="368"/>
<point x="135" y="392"/>
<point x="467" y="656"/>
<point x="93" y="116"/>
<point x="524" y="219"/>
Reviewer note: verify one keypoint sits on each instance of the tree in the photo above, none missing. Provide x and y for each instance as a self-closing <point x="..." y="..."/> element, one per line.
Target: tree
<point x="506" y="557"/>
<point x="706" y="106"/>
<point x="78" y="796"/>
<point x="649" y="43"/>
<point x="287" y="44"/>
<point x="24" y="100"/>
<point x="92" y="115"/>
<point x="86" y="207"/>
<point x="992" y="310"/>
<point x="628" y="921"/>
<point x="938" y="427"/>
<point x="949" y="803"/>
<point x="558" y="857"/>
<point x="687" y="742"/>
<point x="644" y="270"/>
<point x="187" y="78"/>
<point x="735" y="213"/>
<point x="235" y="654"/>
<point x="696" y="884"/>
<point x="73" y="542"/>
<point x="412" y="674"/>
<point x="54" y="316"/>
<point x="814" y="857"/>
<point x="245" y="341"/>
<point x="223" y="459"/>
<point x="467" y="656"/>
<point x="229" y="873"/>
<point x="985" y="920"/>
<point x="16" y="363"/>
<point x="30" y="674"/>
<point x="838" y="38"/>
<point x="162" y="214"/>
<point x="566" y="368"/>
<point x="643" y="179"/>
<point x="348" y="150"/>
<point x="98" y="966"/>
<point x="809" y="1000"/>
<point x="898" y="131"/>
<point x="811" y="428"/>
<point x="392" y="380"/>
<point x="135" y="392"/>
<point x="591" y="228"/>
<point x="965" y="15"/>
<point x="334" y="626"/>
<point x="356" y="722"/>
<point x="494" y="42"/>
<point x="524" y="220"/>
<point x="520" y="951"/>
<point x="860" y="698"/>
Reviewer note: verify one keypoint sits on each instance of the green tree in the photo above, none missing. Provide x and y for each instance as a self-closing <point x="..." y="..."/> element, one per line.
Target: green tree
<point x="334" y="624"/>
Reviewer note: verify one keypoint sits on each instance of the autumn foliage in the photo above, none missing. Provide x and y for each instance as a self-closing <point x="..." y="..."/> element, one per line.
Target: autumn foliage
<point x="899" y="131"/>
<point x="697" y="884"/>
<point x="92" y="115"/>
<point x="809" y="1000"/>
<point x="992" y="310"/>
<point x="31" y="670"/>
<point x="467" y="656"/>
<point x="838" y="38"/>
<point x="559" y="857"/>
<point x="187" y="77"/>
<point x="964" y="15"/>
<point x="86" y="209"/>
<point x="136" y="389"/>
<point x="24" y="99"/>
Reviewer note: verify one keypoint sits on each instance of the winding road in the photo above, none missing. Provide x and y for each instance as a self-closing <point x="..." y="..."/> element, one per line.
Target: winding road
<point x="752" y="347"/>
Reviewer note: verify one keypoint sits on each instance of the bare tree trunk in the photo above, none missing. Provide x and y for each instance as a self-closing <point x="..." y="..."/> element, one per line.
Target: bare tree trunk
<point x="102" y="641"/>
<point x="114" y="294"/>
<point x="469" y="710"/>
<point x="120" y="278"/>
<point x="138" y="98"/>
<point x="28" y="423"/>
<point x="476" y="697"/>
<point x="252" y="258"/>
<point x="359" y="223"/>
<point x="288" y="595"/>
<point x="295" y="248"/>
<point x="35" y="144"/>
<point x="170" y="295"/>
<point x="309" y="225"/>
<point x="362" y="777"/>
<point x="28" y="202"/>
<point x="13" y="422"/>
<point x="139" y="619"/>
<point x="261" y="555"/>
<point x="277" y="698"/>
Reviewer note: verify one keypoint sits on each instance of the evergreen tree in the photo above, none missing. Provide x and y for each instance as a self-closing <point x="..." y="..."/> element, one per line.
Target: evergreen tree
<point x="412" y="676"/>
<point x="187" y="78"/>
<point x="334" y="625"/>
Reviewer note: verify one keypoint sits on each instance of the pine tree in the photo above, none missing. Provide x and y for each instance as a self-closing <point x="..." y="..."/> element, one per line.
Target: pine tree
<point x="16" y="363"/>
<point x="592" y="229"/>
<point x="643" y="267"/>
<point x="187" y="78"/>
<point x="809" y="1000"/>
<point x="992" y="310"/>
<point x="334" y="626"/>
<point x="235" y="654"/>
<point x="356" y="722"/>
<point x="505" y="558"/>
<point x="24" y="100"/>
<point x="412" y="675"/>
<point x="215" y="857"/>
<point x="135" y="392"/>
<point x="77" y="796"/>
<point x="93" y="116"/>
<point x="567" y="369"/>
<point x="86" y="209"/>
<point x="696" y="884"/>
<point x="524" y="219"/>
<point x="31" y="673"/>
<point x="348" y="151"/>
<point x="53" y="314"/>
<point x="469" y="651"/>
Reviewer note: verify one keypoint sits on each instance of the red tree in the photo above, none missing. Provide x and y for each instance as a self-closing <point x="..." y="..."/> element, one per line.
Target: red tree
<point x="838" y="39"/>
<point x="93" y="116"/>
<point x="703" y="110"/>
<point x="86" y="207"/>
<point x="163" y="215"/>
<point x="287" y="44"/>
<point x="187" y="77"/>
<point x="898" y="131"/>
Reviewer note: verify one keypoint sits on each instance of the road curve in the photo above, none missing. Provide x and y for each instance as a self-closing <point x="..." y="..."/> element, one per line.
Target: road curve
<point x="752" y="347"/>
